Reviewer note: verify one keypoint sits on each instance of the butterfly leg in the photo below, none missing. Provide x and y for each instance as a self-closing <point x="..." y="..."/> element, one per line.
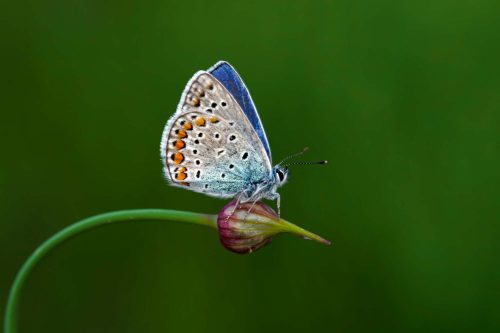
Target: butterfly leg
<point x="278" y="204"/>
<point x="251" y="207"/>
<point x="238" y="201"/>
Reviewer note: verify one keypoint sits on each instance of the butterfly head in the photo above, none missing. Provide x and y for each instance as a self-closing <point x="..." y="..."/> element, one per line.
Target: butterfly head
<point x="280" y="174"/>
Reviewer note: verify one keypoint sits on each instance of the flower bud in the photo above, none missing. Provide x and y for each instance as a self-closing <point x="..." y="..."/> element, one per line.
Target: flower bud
<point x="246" y="228"/>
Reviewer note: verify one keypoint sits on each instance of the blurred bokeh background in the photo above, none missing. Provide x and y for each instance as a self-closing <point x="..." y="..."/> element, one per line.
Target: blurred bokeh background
<point x="402" y="97"/>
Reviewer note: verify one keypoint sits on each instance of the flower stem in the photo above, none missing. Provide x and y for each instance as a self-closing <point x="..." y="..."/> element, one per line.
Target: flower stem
<point x="295" y="229"/>
<point x="10" y="324"/>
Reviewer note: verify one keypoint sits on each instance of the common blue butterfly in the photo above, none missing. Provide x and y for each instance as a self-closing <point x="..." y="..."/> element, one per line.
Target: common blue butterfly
<point x="215" y="143"/>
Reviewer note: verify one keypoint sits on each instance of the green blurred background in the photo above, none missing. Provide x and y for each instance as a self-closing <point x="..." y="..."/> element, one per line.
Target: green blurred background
<point x="402" y="97"/>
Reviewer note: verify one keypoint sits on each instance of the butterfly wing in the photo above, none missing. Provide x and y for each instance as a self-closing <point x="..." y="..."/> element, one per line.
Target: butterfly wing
<point x="209" y="145"/>
<point x="230" y="79"/>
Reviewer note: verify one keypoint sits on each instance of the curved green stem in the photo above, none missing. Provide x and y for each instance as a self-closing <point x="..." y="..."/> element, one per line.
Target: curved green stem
<point x="10" y="324"/>
<point x="295" y="229"/>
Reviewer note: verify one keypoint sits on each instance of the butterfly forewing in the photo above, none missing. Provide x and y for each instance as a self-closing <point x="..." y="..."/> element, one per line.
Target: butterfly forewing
<point x="230" y="79"/>
<point x="209" y="145"/>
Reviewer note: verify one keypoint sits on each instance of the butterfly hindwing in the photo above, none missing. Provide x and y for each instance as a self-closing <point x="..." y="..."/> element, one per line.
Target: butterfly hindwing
<point x="228" y="76"/>
<point x="209" y="145"/>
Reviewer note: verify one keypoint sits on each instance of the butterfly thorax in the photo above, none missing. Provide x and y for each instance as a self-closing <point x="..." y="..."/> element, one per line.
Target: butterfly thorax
<point x="266" y="187"/>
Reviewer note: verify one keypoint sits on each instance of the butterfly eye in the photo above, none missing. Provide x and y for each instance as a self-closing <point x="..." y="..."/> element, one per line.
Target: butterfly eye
<point x="281" y="175"/>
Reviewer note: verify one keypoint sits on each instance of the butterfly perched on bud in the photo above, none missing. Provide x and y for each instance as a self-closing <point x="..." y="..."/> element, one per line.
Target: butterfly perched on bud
<point x="215" y="142"/>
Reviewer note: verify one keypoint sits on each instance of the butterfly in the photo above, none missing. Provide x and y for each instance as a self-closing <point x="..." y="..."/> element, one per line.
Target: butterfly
<point x="215" y="142"/>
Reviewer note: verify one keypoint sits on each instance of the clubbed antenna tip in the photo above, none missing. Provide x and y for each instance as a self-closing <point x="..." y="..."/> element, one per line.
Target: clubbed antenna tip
<point x="305" y="163"/>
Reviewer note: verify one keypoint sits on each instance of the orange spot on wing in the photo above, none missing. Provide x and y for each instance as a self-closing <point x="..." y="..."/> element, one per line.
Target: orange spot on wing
<point x="179" y="144"/>
<point x="188" y="126"/>
<point x="178" y="158"/>
<point x="200" y="121"/>
<point x="182" y="174"/>
<point x="184" y="183"/>
<point x="214" y="120"/>
<point x="182" y="134"/>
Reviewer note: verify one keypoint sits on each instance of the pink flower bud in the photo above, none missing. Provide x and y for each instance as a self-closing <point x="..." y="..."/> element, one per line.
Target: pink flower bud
<point x="246" y="229"/>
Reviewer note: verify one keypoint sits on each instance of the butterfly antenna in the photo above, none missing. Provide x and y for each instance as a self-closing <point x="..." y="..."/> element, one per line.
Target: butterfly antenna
<point x="305" y="163"/>
<point x="294" y="155"/>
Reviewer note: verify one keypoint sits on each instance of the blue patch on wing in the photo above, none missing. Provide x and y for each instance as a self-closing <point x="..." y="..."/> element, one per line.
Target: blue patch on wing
<point x="223" y="72"/>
